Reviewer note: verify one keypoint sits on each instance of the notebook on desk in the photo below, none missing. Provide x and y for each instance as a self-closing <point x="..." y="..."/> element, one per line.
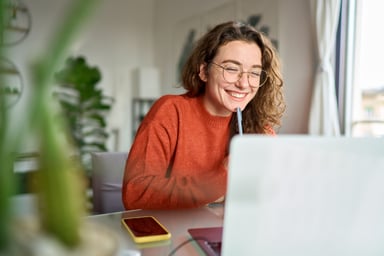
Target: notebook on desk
<point x="302" y="195"/>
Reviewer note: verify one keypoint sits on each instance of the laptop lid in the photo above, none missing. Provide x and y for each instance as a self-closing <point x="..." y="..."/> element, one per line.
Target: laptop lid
<point x="303" y="195"/>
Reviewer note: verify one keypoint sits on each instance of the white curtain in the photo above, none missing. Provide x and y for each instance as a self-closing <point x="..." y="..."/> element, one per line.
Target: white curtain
<point x="324" y="118"/>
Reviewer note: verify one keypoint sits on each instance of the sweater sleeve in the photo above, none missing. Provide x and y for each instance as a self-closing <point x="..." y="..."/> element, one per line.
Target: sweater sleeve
<point x="148" y="182"/>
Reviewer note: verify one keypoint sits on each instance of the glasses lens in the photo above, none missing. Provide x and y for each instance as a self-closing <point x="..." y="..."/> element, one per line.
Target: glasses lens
<point x="231" y="73"/>
<point x="257" y="78"/>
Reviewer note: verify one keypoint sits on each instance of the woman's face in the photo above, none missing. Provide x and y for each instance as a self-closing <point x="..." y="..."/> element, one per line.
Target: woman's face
<point x="221" y="97"/>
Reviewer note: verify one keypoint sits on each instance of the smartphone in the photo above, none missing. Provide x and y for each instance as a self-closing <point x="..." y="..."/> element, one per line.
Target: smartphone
<point x="145" y="229"/>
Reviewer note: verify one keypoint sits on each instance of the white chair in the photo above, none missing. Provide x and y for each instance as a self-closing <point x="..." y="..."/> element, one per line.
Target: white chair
<point x="107" y="179"/>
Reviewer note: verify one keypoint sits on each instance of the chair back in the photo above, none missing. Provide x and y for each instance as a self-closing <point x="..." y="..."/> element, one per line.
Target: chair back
<point x="107" y="179"/>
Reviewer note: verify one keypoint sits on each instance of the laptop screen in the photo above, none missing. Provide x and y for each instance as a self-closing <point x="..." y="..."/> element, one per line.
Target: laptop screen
<point x="303" y="195"/>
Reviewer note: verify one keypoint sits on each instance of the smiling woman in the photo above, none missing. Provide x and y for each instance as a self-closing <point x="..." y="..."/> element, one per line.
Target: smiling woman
<point x="180" y="153"/>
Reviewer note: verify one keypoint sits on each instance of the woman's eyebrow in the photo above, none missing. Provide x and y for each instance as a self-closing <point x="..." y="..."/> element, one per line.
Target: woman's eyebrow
<point x="240" y="64"/>
<point x="231" y="61"/>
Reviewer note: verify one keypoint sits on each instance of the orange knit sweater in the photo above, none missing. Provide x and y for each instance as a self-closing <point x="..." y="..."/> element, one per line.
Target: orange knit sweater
<point x="178" y="158"/>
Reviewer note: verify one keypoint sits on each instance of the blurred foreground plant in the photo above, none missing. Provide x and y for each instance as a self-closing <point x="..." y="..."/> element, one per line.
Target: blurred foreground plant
<point x="60" y="197"/>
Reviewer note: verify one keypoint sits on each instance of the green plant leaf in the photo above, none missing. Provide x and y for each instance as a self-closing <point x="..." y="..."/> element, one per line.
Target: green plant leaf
<point x="84" y="105"/>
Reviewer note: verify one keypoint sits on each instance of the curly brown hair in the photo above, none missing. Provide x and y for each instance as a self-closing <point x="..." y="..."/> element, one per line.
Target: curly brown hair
<point x="267" y="107"/>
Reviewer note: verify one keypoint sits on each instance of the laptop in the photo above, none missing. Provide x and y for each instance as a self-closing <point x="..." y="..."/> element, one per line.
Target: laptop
<point x="209" y="239"/>
<point x="304" y="195"/>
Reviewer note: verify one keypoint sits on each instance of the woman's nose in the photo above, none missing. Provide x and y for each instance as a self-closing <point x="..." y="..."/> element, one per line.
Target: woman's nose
<point x="243" y="80"/>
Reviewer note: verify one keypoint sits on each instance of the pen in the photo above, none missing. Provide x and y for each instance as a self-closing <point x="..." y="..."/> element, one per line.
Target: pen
<point x="239" y="121"/>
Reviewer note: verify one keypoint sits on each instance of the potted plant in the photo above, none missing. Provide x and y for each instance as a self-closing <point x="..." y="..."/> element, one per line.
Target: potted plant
<point x="85" y="107"/>
<point x="60" y="223"/>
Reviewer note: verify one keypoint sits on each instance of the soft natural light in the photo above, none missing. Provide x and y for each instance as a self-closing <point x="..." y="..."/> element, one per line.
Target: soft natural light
<point x="371" y="55"/>
<point x="368" y="103"/>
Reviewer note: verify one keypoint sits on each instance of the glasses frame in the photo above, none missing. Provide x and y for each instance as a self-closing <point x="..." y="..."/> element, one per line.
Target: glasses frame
<point x="263" y="72"/>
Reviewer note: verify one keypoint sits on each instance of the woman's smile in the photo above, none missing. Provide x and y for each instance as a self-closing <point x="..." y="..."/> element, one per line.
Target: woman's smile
<point x="237" y="95"/>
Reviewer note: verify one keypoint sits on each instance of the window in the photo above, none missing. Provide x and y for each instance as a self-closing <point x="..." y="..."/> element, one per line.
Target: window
<point x="361" y="46"/>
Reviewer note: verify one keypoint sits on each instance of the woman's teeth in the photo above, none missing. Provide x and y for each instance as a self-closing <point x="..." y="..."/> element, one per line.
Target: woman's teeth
<point x="237" y="95"/>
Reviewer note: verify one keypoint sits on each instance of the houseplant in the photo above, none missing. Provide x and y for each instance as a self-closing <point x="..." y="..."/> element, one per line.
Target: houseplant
<point x="84" y="105"/>
<point x="61" y="199"/>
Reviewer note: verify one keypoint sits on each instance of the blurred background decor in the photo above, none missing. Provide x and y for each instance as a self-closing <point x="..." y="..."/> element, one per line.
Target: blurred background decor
<point x="12" y="85"/>
<point x="17" y="22"/>
<point x="58" y="226"/>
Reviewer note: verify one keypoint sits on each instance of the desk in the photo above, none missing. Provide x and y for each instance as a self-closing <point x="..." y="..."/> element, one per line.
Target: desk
<point x="176" y="221"/>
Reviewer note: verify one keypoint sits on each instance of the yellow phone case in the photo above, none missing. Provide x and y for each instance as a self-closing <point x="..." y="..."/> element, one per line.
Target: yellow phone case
<point x="145" y="229"/>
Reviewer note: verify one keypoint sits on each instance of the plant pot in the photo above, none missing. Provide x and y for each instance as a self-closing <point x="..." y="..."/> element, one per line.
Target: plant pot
<point x="29" y="239"/>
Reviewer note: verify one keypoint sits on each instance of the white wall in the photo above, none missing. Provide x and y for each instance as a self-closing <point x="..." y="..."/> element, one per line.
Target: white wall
<point x="299" y="63"/>
<point x="117" y="38"/>
<point x="25" y="53"/>
<point x="123" y="36"/>
<point x="293" y="35"/>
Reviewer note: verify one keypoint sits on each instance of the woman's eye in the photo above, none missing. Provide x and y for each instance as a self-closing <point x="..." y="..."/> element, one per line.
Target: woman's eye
<point x="232" y="69"/>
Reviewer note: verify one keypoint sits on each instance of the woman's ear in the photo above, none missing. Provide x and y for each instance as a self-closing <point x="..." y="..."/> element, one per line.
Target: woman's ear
<point x="203" y="73"/>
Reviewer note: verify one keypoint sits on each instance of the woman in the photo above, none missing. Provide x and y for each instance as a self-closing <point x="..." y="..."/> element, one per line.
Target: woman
<point x="180" y="152"/>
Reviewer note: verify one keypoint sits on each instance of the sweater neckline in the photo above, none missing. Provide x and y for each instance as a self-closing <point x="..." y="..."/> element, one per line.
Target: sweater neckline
<point x="217" y="121"/>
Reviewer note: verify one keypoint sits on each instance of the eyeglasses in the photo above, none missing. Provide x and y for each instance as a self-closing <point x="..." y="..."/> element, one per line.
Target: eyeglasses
<point x="233" y="72"/>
